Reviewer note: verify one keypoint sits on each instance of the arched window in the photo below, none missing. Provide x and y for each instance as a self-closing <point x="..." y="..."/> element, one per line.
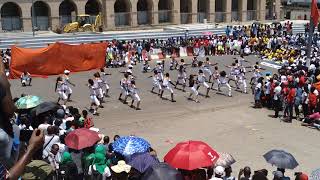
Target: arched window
<point x="11" y="17"/>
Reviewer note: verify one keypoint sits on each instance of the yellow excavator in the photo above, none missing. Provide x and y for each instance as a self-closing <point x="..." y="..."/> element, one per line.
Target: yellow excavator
<point x="84" y="23"/>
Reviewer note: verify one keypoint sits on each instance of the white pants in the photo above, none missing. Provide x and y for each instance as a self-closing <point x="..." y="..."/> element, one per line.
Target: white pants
<point x="100" y="93"/>
<point x="205" y="84"/>
<point x="94" y="100"/>
<point x="62" y="95"/>
<point x="68" y="90"/>
<point x="124" y="91"/>
<point x="181" y="80"/>
<point x="207" y="71"/>
<point x="168" y="88"/>
<point x="194" y="91"/>
<point x="105" y="87"/>
<point x="157" y="85"/>
<point x="225" y="85"/>
<point x="135" y="97"/>
<point x="244" y="83"/>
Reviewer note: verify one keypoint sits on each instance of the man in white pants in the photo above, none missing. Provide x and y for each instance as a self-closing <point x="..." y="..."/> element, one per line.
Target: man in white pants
<point x="223" y="82"/>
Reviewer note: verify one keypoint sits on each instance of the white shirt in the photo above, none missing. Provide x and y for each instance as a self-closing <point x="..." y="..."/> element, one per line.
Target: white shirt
<point x="106" y="172"/>
<point x="277" y="92"/>
<point x="48" y="145"/>
<point x="43" y="127"/>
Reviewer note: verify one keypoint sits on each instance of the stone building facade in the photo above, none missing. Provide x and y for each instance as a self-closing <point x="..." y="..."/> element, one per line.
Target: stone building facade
<point x="120" y="14"/>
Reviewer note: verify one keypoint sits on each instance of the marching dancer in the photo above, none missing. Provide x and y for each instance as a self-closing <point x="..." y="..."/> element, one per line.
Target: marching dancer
<point x="159" y="68"/>
<point x="173" y="63"/>
<point x="157" y="81"/>
<point x="61" y="89"/>
<point x="182" y="77"/>
<point x="234" y="72"/>
<point x="166" y="85"/>
<point x="193" y="84"/>
<point x="105" y="84"/>
<point x="242" y="81"/>
<point x="223" y="82"/>
<point x="95" y="103"/>
<point x="215" y="77"/>
<point x="67" y="81"/>
<point x="98" y="84"/>
<point x="206" y="68"/>
<point x="201" y="78"/>
<point x="133" y="92"/>
<point x="124" y="88"/>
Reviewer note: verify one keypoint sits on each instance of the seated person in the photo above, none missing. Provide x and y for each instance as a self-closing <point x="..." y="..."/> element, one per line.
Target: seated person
<point x="26" y="79"/>
<point x="312" y="120"/>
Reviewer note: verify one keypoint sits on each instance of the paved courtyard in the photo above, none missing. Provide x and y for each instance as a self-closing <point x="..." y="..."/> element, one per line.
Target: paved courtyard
<point x="227" y="124"/>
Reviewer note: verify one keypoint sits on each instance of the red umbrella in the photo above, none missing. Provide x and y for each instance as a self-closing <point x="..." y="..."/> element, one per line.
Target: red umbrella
<point x="81" y="138"/>
<point x="191" y="155"/>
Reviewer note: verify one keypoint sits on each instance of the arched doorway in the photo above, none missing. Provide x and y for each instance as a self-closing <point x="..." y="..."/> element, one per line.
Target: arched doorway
<point x="185" y="11"/>
<point x="41" y="19"/>
<point x="67" y="12"/>
<point x="235" y="10"/>
<point x="93" y="8"/>
<point x="144" y="9"/>
<point x="252" y="10"/>
<point x="122" y="9"/>
<point x="165" y="11"/>
<point x="11" y="17"/>
<point x="219" y="11"/>
<point x="203" y="6"/>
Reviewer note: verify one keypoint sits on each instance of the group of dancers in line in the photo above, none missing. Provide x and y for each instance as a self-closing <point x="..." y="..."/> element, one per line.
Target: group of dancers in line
<point x="99" y="86"/>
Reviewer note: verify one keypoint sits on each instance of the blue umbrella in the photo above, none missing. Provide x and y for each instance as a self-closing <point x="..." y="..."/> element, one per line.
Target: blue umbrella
<point x="281" y="159"/>
<point x="315" y="175"/>
<point x="142" y="161"/>
<point x="129" y="145"/>
<point x="28" y="102"/>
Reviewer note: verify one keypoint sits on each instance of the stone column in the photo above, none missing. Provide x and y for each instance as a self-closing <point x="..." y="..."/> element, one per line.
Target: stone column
<point x="110" y="14"/>
<point x="243" y="10"/>
<point x="211" y="11"/>
<point x="155" y="13"/>
<point x="262" y="12"/>
<point x="194" y="12"/>
<point x="133" y="14"/>
<point x="278" y="9"/>
<point x="81" y="4"/>
<point x="176" y="12"/>
<point x="54" y="21"/>
<point x="228" y="9"/>
<point x="26" y="16"/>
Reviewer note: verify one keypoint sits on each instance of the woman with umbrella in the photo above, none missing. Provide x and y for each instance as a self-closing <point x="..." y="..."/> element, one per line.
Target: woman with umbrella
<point x="99" y="169"/>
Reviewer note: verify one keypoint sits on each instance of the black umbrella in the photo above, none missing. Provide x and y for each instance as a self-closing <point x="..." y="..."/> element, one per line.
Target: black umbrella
<point x="281" y="159"/>
<point x="161" y="171"/>
<point x="45" y="107"/>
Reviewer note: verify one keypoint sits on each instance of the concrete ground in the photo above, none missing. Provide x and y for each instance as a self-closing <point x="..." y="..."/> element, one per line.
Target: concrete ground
<point x="227" y="124"/>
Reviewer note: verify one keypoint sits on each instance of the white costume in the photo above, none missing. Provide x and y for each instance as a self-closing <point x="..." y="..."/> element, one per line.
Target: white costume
<point x="133" y="92"/>
<point x="93" y="95"/>
<point x="166" y="85"/>
<point x="105" y="85"/>
<point x="61" y="89"/>
<point x="222" y="82"/>
<point x="202" y="81"/>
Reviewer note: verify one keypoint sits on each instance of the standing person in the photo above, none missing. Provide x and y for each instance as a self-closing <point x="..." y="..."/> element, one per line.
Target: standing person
<point x="312" y="100"/>
<point x="258" y="93"/>
<point x="290" y="102"/>
<point x="124" y="88"/>
<point x="242" y="81"/>
<point x="193" y="85"/>
<point x="201" y="78"/>
<point x="223" y="82"/>
<point x="61" y="88"/>
<point x="166" y="85"/>
<point x="93" y="97"/>
<point x="277" y="99"/>
<point x="105" y="87"/>
<point x="26" y="78"/>
<point x="206" y="68"/>
<point x="67" y="82"/>
<point x="298" y="101"/>
<point x="133" y="92"/>
<point x="268" y="87"/>
<point x="305" y="101"/>
<point x="215" y="76"/>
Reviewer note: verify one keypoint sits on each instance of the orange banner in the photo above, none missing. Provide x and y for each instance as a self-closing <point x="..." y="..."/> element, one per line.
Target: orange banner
<point x="54" y="59"/>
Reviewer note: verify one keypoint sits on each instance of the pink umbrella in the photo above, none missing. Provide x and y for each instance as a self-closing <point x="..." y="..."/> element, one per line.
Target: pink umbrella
<point x="81" y="138"/>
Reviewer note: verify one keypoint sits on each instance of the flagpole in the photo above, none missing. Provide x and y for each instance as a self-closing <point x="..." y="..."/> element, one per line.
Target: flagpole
<point x="310" y="37"/>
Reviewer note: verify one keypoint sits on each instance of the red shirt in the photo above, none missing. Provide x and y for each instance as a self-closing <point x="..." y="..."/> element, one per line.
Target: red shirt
<point x="302" y="81"/>
<point x="291" y="95"/>
<point x="312" y="100"/>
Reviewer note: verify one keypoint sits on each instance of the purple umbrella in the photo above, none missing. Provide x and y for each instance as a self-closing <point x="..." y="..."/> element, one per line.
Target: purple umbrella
<point x="142" y="161"/>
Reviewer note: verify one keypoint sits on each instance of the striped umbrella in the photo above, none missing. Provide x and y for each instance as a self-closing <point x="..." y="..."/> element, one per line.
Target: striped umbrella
<point x="129" y="145"/>
<point x="225" y="160"/>
<point x="28" y="102"/>
<point x="315" y="175"/>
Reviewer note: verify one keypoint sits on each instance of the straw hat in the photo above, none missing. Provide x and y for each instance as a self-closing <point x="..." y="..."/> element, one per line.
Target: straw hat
<point x="121" y="167"/>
